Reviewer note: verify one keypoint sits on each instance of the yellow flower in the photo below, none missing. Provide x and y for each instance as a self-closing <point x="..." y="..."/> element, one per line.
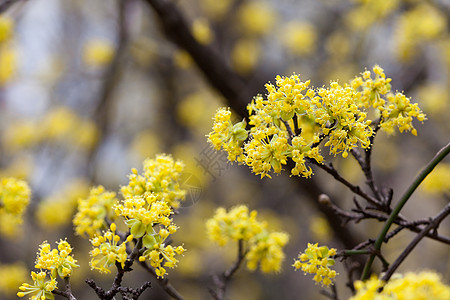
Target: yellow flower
<point x="421" y="24"/>
<point x="57" y="261"/>
<point x="245" y="55"/>
<point x="299" y="38"/>
<point x="41" y="289"/>
<point x="266" y="250"/>
<point x="411" y="286"/>
<point x="98" y="53"/>
<point x="14" y="196"/>
<point x="12" y="276"/>
<point x="6" y="28"/>
<point x="263" y="248"/>
<point x="256" y="17"/>
<point x="294" y="118"/>
<point x="202" y="31"/>
<point x="92" y="211"/>
<point x="438" y="181"/>
<point x="8" y="63"/>
<point x="158" y="182"/>
<point x="316" y="260"/>
<point x="107" y="250"/>
<point x="237" y="224"/>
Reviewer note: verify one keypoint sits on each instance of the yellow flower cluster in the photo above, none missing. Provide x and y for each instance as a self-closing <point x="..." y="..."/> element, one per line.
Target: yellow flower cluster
<point x="60" y="125"/>
<point x="264" y="248"/>
<point x="159" y="181"/>
<point x="14" y="196"/>
<point x="396" y="110"/>
<point x="14" y="199"/>
<point x="8" y="53"/>
<point x="299" y="38"/>
<point x="150" y="220"/>
<point x="437" y="182"/>
<point x="149" y="202"/>
<point x="12" y="276"/>
<point x="421" y="24"/>
<point x="367" y="12"/>
<point x="256" y="17"/>
<point x="98" y="52"/>
<point x="41" y="288"/>
<point x="228" y="136"/>
<point x="92" y="211"/>
<point x="64" y="201"/>
<point x="107" y="250"/>
<point x="316" y="260"/>
<point x="158" y="253"/>
<point x="201" y="30"/>
<point x="57" y="261"/>
<point x="411" y="286"/>
<point x="294" y="118"/>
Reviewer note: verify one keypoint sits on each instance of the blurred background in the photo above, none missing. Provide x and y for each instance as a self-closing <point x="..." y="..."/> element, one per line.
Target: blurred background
<point x="90" y="88"/>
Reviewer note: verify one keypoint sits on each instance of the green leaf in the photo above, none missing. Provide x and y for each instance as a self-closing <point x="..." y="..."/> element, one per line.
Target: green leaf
<point x="49" y="295"/>
<point x="131" y="222"/>
<point x="148" y="241"/>
<point x="324" y="251"/>
<point x="287" y="115"/>
<point x="138" y="229"/>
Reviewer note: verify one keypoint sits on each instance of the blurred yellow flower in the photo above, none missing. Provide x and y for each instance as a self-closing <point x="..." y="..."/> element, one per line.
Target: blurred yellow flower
<point x="12" y="276"/>
<point x="299" y="37"/>
<point x="8" y="63"/>
<point x="421" y="24"/>
<point x="256" y="17"/>
<point x="438" y="181"/>
<point x="411" y="286"/>
<point x="245" y="55"/>
<point x="98" y="52"/>
<point x="6" y="28"/>
<point x="202" y="32"/>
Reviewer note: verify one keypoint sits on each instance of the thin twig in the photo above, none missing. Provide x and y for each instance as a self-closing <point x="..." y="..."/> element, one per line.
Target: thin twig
<point x="220" y="281"/>
<point x="366" y="163"/>
<point x="7" y="4"/>
<point x="163" y="283"/>
<point x="405" y="197"/>
<point x="434" y="223"/>
<point x="214" y="67"/>
<point x="289" y="130"/>
<point x="117" y="283"/>
<point x="354" y="188"/>
<point x="362" y="214"/>
<point x="67" y="293"/>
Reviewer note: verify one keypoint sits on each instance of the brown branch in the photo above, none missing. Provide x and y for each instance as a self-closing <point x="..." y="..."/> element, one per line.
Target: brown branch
<point x="214" y="68"/>
<point x="7" y="4"/>
<point x="117" y="283"/>
<point x="354" y="188"/>
<point x="67" y="293"/>
<point x="366" y="165"/>
<point x="359" y="214"/>
<point x="434" y="223"/>
<point x="221" y="281"/>
<point x="163" y="283"/>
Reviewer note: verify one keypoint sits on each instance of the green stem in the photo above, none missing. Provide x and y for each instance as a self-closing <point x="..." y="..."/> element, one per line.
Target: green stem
<point x="417" y="181"/>
<point x="355" y="252"/>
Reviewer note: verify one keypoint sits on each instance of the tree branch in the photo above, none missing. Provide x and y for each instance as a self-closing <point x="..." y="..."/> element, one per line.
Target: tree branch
<point x="405" y="197"/>
<point x="434" y="223"/>
<point x="220" y="281"/>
